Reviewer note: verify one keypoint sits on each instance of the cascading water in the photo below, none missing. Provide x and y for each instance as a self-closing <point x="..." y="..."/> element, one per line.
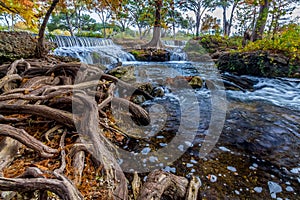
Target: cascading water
<point x="90" y="50"/>
<point x="176" y="49"/>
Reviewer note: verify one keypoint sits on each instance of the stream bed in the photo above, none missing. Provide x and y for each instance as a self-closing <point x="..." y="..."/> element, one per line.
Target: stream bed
<point x="241" y="144"/>
<point x="257" y="153"/>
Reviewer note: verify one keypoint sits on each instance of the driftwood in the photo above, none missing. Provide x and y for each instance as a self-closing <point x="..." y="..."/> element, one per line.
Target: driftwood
<point x="160" y="183"/>
<point x="60" y="111"/>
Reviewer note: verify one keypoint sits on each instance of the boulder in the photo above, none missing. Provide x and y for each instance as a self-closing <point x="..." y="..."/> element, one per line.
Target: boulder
<point x="158" y="92"/>
<point x="258" y="63"/>
<point x="196" y="82"/>
<point x="155" y="55"/>
<point x="123" y="73"/>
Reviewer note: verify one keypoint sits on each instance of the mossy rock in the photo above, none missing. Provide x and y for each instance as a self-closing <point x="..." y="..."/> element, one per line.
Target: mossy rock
<point x="123" y="73"/>
<point x="258" y="63"/>
<point x="149" y="55"/>
<point x="196" y="82"/>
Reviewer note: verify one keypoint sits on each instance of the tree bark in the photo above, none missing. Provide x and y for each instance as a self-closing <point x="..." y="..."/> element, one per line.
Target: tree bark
<point x="225" y="23"/>
<point x="40" y="47"/>
<point x="231" y="17"/>
<point x="69" y="24"/>
<point x="261" y="21"/>
<point x="155" y="41"/>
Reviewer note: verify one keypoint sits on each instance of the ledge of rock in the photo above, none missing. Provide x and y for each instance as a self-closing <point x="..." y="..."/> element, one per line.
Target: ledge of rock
<point x="154" y="55"/>
<point x="16" y="45"/>
<point x="259" y="63"/>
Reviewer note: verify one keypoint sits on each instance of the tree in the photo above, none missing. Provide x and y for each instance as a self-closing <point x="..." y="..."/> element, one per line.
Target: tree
<point x="280" y="11"/>
<point x="155" y="41"/>
<point x="140" y="14"/>
<point x="173" y="19"/>
<point x="209" y="23"/>
<point x="188" y="23"/>
<point x="24" y="8"/>
<point x="225" y="4"/>
<point x="246" y="16"/>
<point x="199" y="7"/>
<point x="261" y="20"/>
<point x="123" y="20"/>
<point x="40" y="47"/>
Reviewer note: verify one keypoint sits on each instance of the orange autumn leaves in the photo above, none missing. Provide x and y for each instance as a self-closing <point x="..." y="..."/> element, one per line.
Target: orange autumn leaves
<point x="25" y="8"/>
<point x="32" y="10"/>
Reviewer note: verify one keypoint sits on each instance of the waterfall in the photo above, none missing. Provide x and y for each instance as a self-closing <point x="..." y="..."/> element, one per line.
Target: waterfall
<point x="176" y="49"/>
<point x="90" y="50"/>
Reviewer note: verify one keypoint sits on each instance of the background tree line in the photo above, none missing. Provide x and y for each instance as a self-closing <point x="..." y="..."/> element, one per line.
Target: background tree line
<point x="254" y="17"/>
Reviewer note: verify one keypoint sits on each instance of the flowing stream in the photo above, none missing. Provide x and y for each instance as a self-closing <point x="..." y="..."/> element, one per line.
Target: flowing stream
<point x="256" y="156"/>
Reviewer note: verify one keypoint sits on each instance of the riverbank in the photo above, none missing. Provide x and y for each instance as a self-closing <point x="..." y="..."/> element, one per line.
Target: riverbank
<point x="229" y="56"/>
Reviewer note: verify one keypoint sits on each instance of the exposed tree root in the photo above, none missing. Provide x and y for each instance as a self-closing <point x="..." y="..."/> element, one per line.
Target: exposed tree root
<point x="26" y="139"/>
<point x="54" y="109"/>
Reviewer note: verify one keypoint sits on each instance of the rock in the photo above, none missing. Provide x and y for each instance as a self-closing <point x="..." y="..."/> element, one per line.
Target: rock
<point x="147" y="87"/>
<point x="123" y="73"/>
<point x="158" y="92"/>
<point x="138" y="99"/>
<point x="237" y="82"/>
<point x="258" y="63"/>
<point x="16" y="45"/>
<point x="196" y="82"/>
<point x="156" y="55"/>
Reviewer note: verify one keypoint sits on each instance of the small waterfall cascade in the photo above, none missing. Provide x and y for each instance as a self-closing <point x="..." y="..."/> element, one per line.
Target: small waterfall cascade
<point x="176" y="49"/>
<point x="175" y="43"/>
<point x="68" y="41"/>
<point x="90" y="50"/>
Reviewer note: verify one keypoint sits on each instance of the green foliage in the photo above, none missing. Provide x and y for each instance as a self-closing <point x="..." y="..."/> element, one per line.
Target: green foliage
<point x="213" y="43"/>
<point x="89" y="34"/>
<point x="287" y="42"/>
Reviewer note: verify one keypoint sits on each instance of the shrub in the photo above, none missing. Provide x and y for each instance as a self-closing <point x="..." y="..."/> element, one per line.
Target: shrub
<point x="287" y="42"/>
<point x="89" y="34"/>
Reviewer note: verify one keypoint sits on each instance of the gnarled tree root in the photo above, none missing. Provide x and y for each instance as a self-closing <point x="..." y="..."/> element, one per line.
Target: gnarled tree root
<point x="26" y="139"/>
<point x="60" y="186"/>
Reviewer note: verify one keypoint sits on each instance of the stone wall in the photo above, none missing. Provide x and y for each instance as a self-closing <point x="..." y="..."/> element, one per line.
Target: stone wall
<point x="16" y="45"/>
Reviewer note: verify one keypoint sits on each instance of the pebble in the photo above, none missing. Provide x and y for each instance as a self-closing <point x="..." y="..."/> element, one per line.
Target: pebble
<point x="289" y="189"/>
<point x="274" y="188"/>
<point x="146" y="150"/>
<point x="224" y="149"/>
<point x="212" y="178"/>
<point x="181" y="147"/>
<point x="295" y="170"/>
<point x="230" y="168"/>
<point x="258" y="189"/>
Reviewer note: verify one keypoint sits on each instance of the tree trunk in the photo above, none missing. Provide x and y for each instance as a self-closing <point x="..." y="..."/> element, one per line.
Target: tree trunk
<point x="40" y="47"/>
<point x="231" y="17"/>
<point x="261" y="21"/>
<point x="225" y="23"/>
<point x="103" y="24"/>
<point x="140" y="32"/>
<point x="7" y="22"/>
<point x="69" y="24"/>
<point x="12" y="22"/>
<point x="155" y="41"/>
<point x="197" y="24"/>
<point x="174" y="31"/>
